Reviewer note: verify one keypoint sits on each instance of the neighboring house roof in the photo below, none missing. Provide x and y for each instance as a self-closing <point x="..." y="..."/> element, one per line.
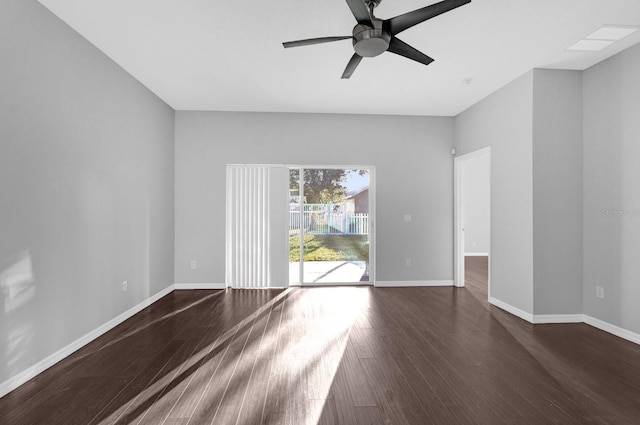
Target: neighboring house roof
<point x="357" y="192"/>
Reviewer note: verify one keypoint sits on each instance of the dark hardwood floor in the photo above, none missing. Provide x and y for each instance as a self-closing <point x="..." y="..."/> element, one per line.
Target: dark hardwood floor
<point x="338" y="355"/>
<point x="476" y="275"/>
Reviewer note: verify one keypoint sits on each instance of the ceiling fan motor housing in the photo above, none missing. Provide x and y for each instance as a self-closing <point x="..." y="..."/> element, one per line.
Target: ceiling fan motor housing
<point x="369" y="42"/>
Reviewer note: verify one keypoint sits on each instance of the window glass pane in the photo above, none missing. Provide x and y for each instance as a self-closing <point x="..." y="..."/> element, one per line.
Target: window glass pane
<point x="335" y="225"/>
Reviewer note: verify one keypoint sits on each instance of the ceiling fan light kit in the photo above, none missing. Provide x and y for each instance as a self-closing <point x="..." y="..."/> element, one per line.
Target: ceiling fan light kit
<point x="373" y="36"/>
<point x="370" y="42"/>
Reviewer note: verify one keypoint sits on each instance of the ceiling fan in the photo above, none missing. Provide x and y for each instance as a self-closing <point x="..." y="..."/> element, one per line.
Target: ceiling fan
<point x="372" y="36"/>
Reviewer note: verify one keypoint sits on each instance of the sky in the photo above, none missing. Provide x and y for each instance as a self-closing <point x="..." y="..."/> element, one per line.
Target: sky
<point x="356" y="181"/>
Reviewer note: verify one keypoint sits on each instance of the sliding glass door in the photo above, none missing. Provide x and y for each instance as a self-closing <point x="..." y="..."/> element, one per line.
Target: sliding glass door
<point x="330" y="225"/>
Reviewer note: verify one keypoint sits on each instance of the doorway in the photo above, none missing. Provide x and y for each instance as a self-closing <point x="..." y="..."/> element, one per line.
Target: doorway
<point x="331" y="225"/>
<point x="472" y="198"/>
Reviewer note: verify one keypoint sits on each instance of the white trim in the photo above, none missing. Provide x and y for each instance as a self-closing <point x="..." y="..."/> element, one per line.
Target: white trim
<point x="412" y="283"/>
<point x="458" y="225"/>
<point x="558" y="318"/>
<point x="476" y="254"/>
<point x="568" y="318"/>
<point x="20" y="378"/>
<point x="511" y="309"/>
<point x="372" y="222"/>
<point x="187" y="286"/>
<point x="612" y="329"/>
<point x="301" y="233"/>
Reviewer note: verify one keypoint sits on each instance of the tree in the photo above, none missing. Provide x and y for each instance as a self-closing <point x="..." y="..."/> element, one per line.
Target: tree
<point x="323" y="186"/>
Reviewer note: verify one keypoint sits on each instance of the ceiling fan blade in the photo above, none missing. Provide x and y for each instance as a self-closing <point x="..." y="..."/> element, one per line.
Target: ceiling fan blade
<point x="351" y="66"/>
<point x="310" y="41"/>
<point x="402" y="22"/>
<point x="401" y="48"/>
<point x="360" y="11"/>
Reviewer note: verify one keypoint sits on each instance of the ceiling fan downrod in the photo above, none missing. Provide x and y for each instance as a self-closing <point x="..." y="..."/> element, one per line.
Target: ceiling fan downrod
<point x="372" y="4"/>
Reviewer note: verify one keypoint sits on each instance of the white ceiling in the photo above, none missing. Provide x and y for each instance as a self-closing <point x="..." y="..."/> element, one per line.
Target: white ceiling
<point x="228" y="56"/>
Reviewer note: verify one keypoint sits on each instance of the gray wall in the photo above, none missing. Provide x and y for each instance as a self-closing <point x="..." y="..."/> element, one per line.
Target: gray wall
<point x="86" y="187"/>
<point x="611" y="192"/>
<point x="503" y="121"/>
<point x="557" y="191"/>
<point x="476" y="174"/>
<point x="413" y="175"/>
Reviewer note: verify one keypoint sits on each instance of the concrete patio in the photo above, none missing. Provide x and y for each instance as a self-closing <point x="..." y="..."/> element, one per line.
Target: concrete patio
<point x="330" y="271"/>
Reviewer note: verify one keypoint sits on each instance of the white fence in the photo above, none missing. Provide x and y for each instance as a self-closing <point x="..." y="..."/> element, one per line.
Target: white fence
<point x="323" y="219"/>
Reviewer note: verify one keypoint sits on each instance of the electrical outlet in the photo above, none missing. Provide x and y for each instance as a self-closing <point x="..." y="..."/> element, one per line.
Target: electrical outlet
<point x="407" y="218"/>
<point x="599" y="292"/>
<point x="125" y="284"/>
<point x="194" y="265"/>
<point x="407" y="262"/>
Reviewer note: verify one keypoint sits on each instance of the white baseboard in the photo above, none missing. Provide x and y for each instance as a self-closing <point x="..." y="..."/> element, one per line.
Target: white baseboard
<point x="612" y="329"/>
<point x="179" y="286"/>
<point x="568" y="318"/>
<point x="476" y="254"/>
<point x="511" y="309"/>
<point x="537" y="319"/>
<point x="15" y="381"/>
<point x="406" y="283"/>
<point x="558" y="318"/>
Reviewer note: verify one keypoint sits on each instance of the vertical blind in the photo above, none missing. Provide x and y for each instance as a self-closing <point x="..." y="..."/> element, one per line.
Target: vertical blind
<point x="257" y="237"/>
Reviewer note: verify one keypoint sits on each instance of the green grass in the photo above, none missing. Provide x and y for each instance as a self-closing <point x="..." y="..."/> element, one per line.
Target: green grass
<point x="330" y="248"/>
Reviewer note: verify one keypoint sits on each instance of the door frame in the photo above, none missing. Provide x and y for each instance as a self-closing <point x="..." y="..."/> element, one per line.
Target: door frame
<point x="371" y="224"/>
<point x="458" y="202"/>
